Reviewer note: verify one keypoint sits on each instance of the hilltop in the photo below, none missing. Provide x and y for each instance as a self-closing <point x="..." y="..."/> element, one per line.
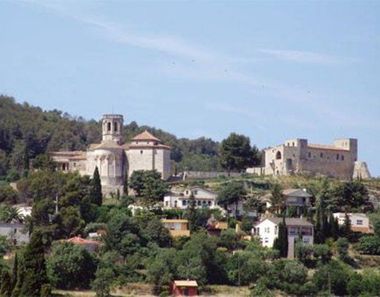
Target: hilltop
<point x="27" y="131"/>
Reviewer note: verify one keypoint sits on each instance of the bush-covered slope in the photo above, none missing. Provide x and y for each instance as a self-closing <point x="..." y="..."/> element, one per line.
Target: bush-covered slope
<point x="27" y="131"/>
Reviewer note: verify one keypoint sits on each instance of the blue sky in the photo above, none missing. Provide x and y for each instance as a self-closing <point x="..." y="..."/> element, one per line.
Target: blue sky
<point x="269" y="70"/>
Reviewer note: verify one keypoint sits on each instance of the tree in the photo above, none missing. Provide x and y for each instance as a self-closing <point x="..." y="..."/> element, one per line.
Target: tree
<point x="5" y="284"/>
<point x="281" y="242"/>
<point x="137" y="182"/>
<point x="34" y="267"/>
<point x="342" y="248"/>
<point x="148" y="184"/>
<point x="70" y="266"/>
<point x="96" y="188"/>
<point x="8" y="194"/>
<point x="192" y="213"/>
<point x="334" y="276"/>
<point x="125" y="185"/>
<point x="236" y="153"/>
<point x="244" y="268"/>
<point x="103" y="279"/>
<point x="276" y="199"/>
<point x="231" y="193"/>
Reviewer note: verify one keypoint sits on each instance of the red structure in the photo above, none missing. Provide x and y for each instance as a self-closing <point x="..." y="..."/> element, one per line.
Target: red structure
<point x="182" y="288"/>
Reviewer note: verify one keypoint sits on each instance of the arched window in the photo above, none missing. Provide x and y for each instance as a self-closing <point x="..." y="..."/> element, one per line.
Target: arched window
<point x="278" y="155"/>
<point x="115" y="126"/>
<point x="108" y="126"/>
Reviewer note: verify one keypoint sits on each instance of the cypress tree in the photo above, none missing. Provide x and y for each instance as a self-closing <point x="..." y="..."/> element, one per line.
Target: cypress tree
<point x="6" y="284"/>
<point x="125" y="185"/>
<point x="347" y="225"/>
<point x="96" y="188"/>
<point x="281" y="242"/>
<point x="334" y="227"/>
<point x="35" y="269"/>
<point x="14" y="271"/>
<point x="192" y="213"/>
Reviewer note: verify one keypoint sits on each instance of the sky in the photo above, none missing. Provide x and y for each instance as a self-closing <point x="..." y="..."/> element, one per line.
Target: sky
<point x="271" y="70"/>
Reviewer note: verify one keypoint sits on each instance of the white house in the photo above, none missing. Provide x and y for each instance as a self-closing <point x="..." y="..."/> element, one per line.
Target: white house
<point x="15" y="232"/>
<point x="359" y="221"/>
<point x="202" y="197"/>
<point x="267" y="231"/>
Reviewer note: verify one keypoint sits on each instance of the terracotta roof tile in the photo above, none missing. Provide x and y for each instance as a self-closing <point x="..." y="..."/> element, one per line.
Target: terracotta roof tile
<point x="146" y="136"/>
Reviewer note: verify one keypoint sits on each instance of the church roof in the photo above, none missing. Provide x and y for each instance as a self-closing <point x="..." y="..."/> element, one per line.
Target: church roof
<point x="146" y="136"/>
<point x="106" y="145"/>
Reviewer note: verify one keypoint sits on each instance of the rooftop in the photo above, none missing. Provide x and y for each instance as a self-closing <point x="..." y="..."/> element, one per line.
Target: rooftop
<point x="291" y="221"/>
<point x="186" y="283"/>
<point x="146" y="135"/>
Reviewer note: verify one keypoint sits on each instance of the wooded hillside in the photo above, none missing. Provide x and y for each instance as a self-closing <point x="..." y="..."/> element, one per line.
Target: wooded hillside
<point x="27" y="131"/>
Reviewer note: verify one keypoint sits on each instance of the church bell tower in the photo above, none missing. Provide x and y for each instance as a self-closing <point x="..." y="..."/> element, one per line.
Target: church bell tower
<point x="112" y="127"/>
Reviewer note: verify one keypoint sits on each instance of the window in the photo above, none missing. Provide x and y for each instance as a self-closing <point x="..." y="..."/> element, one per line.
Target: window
<point x="321" y="155"/>
<point x="359" y="222"/>
<point x="199" y="202"/>
<point x="184" y="202"/>
<point x="166" y="203"/>
<point x="109" y="126"/>
<point x="209" y="203"/>
<point x="275" y="229"/>
<point x="266" y="240"/>
<point x="267" y="230"/>
<point x="115" y="126"/>
<point x="141" y="152"/>
<point x="309" y="155"/>
<point x="175" y="203"/>
<point x="337" y="156"/>
<point x="195" y="192"/>
<point x="293" y="144"/>
<point x="278" y="155"/>
<point x="342" y="158"/>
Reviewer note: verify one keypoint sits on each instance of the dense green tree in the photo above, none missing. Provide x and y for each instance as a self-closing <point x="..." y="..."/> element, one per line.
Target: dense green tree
<point x="231" y="193"/>
<point x="70" y="266"/>
<point x="333" y="276"/>
<point x="162" y="269"/>
<point x="351" y="195"/>
<point x="369" y="245"/>
<point x="277" y="199"/>
<point x="244" y="268"/>
<point x="342" y="245"/>
<point x="8" y="194"/>
<point x="96" y="188"/>
<point x="34" y="267"/>
<point x="281" y="242"/>
<point x="236" y="153"/>
<point x="148" y="184"/>
<point x="5" y="284"/>
<point x="103" y="280"/>
<point x="137" y="182"/>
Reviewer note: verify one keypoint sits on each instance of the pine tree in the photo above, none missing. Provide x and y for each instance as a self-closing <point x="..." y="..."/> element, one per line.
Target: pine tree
<point x="96" y="188"/>
<point x="35" y="270"/>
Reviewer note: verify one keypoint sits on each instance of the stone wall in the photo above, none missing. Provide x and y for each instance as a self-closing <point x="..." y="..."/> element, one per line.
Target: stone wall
<point x="207" y="174"/>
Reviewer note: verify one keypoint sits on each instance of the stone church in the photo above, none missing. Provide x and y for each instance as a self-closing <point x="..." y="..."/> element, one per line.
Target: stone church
<point x="115" y="159"/>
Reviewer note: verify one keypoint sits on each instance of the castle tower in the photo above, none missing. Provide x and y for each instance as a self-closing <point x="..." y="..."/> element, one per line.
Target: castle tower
<point x="112" y="126"/>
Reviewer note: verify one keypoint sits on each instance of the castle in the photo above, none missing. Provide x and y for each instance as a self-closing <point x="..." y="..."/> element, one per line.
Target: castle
<point x="114" y="159"/>
<point x="297" y="156"/>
